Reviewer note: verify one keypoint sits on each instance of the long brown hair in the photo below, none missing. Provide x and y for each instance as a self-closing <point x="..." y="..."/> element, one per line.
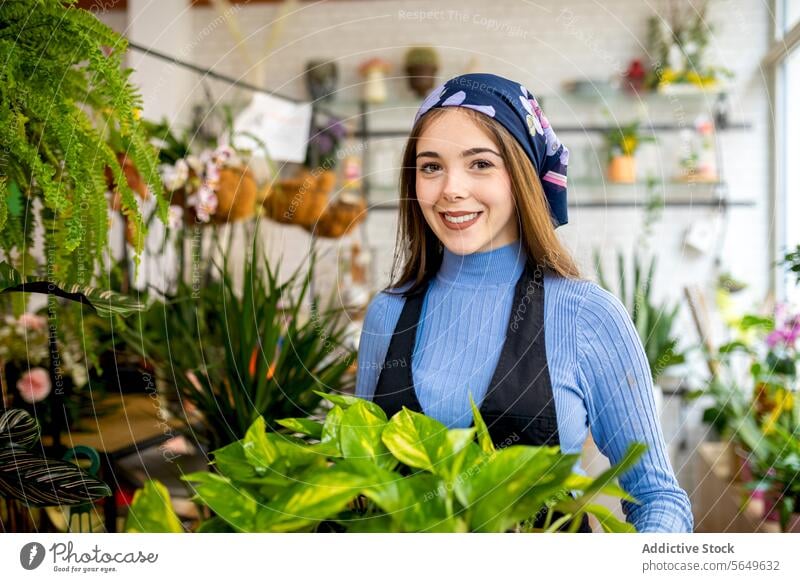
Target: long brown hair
<point x="418" y="253"/>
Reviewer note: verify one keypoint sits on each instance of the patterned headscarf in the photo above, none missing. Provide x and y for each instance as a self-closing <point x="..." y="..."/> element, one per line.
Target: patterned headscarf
<point x="516" y="109"/>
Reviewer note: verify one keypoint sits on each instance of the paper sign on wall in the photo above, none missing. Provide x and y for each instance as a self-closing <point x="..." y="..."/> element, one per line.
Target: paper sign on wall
<point x="280" y="124"/>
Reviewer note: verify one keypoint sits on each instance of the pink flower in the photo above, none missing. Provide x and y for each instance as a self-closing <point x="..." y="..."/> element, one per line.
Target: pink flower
<point x="205" y="203"/>
<point x="175" y="217"/>
<point x="32" y="322"/>
<point x="34" y="386"/>
<point x="774" y="338"/>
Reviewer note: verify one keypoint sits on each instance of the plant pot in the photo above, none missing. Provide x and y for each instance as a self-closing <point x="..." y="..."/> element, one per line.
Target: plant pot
<point x="321" y="79"/>
<point x="300" y="200"/>
<point x="622" y="170"/>
<point x="421" y="78"/>
<point x="340" y="217"/>
<point x="375" y="86"/>
<point x="236" y="195"/>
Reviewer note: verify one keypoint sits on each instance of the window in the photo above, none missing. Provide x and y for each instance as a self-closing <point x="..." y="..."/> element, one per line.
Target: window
<point x="789" y="156"/>
<point x="789" y="14"/>
<point x="784" y="60"/>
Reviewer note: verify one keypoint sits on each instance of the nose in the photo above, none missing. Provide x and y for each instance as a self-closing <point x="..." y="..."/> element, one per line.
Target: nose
<point x="455" y="186"/>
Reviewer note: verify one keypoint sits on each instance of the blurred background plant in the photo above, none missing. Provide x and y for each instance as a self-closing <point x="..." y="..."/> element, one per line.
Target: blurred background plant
<point x="225" y="355"/>
<point x="654" y="322"/>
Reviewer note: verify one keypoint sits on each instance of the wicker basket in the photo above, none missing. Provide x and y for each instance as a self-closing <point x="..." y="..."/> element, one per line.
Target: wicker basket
<point x="300" y="200"/>
<point x="341" y="216"/>
<point x="236" y="195"/>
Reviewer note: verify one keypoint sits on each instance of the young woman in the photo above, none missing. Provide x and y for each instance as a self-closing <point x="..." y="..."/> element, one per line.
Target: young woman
<point x="489" y="303"/>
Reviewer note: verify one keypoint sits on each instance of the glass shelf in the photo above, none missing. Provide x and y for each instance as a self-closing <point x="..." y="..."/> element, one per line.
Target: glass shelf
<point x="593" y="184"/>
<point x="569" y="112"/>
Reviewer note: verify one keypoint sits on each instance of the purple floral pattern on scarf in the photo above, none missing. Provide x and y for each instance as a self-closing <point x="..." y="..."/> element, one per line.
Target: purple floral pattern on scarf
<point x="516" y="109"/>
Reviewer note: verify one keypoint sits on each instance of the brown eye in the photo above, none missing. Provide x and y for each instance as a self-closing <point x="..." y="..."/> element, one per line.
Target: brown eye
<point x="429" y="168"/>
<point x="483" y="164"/>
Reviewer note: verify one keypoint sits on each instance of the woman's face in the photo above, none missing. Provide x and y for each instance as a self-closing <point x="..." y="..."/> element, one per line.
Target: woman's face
<point x="463" y="186"/>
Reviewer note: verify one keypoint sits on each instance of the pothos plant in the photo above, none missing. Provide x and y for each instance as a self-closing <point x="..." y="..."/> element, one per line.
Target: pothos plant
<point x="364" y="472"/>
<point x="62" y="87"/>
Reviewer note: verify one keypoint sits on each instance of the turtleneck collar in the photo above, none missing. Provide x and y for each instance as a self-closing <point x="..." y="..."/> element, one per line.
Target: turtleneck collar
<point x="500" y="266"/>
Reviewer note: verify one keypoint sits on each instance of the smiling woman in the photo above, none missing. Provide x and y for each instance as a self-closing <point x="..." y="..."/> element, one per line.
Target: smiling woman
<point x="462" y="184"/>
<point x="487" y="304"/>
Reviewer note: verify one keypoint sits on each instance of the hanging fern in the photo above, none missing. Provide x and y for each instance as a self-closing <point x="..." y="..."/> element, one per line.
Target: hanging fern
<point x="62" y="88"/>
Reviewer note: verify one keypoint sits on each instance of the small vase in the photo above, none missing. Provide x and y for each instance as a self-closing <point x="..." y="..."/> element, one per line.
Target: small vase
<point x="375" y="87"/>
<point x="321" y="79"/>
<point x="421" y="78"/>
<point x="622" y="170"/>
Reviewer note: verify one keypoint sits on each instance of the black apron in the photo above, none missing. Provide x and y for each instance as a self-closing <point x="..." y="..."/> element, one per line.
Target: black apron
<point x="518" y="407"/>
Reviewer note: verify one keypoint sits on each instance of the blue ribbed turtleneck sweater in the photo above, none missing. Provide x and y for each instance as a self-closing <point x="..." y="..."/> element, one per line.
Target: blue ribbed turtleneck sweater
<point x="598" y="369"/>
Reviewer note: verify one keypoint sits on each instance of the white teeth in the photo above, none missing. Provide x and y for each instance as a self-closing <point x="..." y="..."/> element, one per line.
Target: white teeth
<point x="460" y="219"/>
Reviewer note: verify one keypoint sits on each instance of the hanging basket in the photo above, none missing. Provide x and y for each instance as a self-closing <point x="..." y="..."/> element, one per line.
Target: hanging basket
<point x="300" y="200"/>
<point x="236" y="195"/>
<point x="341" y="216"/>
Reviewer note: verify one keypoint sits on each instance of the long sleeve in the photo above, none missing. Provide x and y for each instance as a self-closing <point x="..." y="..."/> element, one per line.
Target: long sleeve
<point x="618" y="389"/>
<point x="372" y="347"/>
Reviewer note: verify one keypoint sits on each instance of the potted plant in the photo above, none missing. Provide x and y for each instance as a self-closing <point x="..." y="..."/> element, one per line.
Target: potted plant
<point x="358" y="471"/>
<point x="303" y="199"/>
<point x="622" y="143"/>
<point x="422" y="64"/>
<point x="261" y="355"/>
<point x="374" y="73"/>
<point x="56" y="155"/>
<point x="678" y="45"/>
<point x="655" y="323"/>
<point x="30" y="480"/>
<point x="341" y="216"/>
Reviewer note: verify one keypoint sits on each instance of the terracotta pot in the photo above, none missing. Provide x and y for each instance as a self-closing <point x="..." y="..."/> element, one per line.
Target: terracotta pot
<point x="421" y="78"/>
<point x="622" y="170"/>
<point x="236" y="195"/>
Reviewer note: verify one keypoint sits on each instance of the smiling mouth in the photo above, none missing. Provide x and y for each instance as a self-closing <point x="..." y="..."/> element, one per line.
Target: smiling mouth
<point x="459" y="220"/>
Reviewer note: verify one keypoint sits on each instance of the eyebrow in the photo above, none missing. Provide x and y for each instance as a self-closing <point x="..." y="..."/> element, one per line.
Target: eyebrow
<point x="464" y="154"/>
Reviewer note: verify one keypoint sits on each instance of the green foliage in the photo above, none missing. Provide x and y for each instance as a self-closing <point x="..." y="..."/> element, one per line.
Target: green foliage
<point x="791" y="261"/>
<point x="35" y="480"/>
<point x="151" y="511"/>
<point x="654" y="323"/>
<point x="625" y="139"/>
<point x="240" y="356"/>
<point x="405" y="474"/>
<point x="421" y="55"/>
<point x="55" y="80"/>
